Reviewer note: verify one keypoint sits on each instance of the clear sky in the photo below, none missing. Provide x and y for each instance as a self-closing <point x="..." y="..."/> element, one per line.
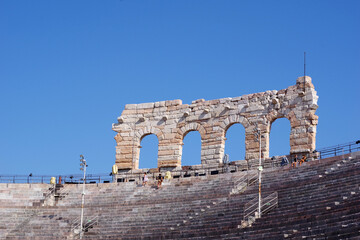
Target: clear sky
<point x="67" y="69"/>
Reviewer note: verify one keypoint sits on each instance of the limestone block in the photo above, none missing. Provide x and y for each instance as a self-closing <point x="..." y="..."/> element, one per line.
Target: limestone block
<point x="205" y="116"/>
<point x="300" y="149"/>
<point x="192" y="118"/>
<point x="166" y="152"/>
<point x="255" y="107"/>
<point x="313" y="106"/>
<point x="130" y="106"/>
<point x="310" y="96"/>
<point x="115" y="127"/>
<point x="126" y="150"/>
<point x="208" y="152"/>
<point x="173" y="102"/>
<point x="167" y="157"/>
<point x="225" y="100"/>
<point x="159" y="110"/>
<point x="236" y="99"/>
<point x="125" y="134"/>
<point x="159" y="104"/>
<point x="198" y="101"/>
<point x="303" y="79"/>
<point x="312" y="129"/>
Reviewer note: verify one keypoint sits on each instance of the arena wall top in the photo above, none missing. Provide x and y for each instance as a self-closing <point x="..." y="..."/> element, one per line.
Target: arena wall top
<point x="171" y="120"/>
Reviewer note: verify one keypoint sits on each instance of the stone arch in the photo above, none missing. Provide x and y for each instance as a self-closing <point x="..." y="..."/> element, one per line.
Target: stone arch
<point x="270" y="123"/>
<point x="225" y="125"/>
<point x="191" y="148"/>
<point x="234" y="138"/>
<point x="184" y="130"/>
<point x="298" y="133"/>
<point x="273" y="115"/>
<point x="142" y="132"/>
<point x="139" y="135"/>
<point x="148" y="151"/>
<point x="231" y="120"/>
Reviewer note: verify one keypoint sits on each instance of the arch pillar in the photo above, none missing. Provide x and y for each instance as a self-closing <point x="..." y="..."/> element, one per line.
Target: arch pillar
<point x="303" y="133"/>
<point x="252" y="144"/>
<point x="212" y="148"/>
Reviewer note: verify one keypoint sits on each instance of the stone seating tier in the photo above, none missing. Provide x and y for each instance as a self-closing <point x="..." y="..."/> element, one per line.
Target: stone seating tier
<point x="317" y="200"/>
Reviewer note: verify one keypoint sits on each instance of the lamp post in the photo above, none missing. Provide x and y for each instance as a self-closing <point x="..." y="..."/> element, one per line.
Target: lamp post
<point x="30" y="175"/>
<point x="83" y="168"/>
<point x="258" y="138"/>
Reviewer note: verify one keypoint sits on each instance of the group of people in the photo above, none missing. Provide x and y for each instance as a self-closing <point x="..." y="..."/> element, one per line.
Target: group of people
<point x="296" y="161"/>
<point x="159" y="179"/>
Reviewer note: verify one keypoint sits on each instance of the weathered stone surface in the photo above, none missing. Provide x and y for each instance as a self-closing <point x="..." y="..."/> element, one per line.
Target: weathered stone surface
<point x="171" y="120"/>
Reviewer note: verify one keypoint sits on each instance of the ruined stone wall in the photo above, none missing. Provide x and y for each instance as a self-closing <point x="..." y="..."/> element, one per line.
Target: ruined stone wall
<point x="171" y="120"/>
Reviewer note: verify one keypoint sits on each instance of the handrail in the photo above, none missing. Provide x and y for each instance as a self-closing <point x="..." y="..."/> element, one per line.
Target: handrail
<point x="243" y="182"/>
<point x="90" y="222"/>
<point x="267" y="204"/>
<point x="49" y="192"/>
<point x="339" y="149"/>
<point x="45" y="179"/>
<point x="94" y="178"/>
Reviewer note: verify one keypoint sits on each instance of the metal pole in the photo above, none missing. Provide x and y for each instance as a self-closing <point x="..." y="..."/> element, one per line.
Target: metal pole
<point x="83" y="164"/>
<point x="260" y="169"/>
<point x="304" y="65"/>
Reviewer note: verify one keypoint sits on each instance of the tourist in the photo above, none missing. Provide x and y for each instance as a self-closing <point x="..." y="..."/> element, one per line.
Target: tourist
<point x="168" y="175"/>
<point x="284" y="161"/>
<point x="295" y="160"/>
<point x="303" y="159"/>
<point x="145" y="179"/>
<point x="160" y="179"/>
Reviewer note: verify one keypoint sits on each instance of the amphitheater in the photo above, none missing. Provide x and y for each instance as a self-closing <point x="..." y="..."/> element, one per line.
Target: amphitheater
<point x="213" y="200"/>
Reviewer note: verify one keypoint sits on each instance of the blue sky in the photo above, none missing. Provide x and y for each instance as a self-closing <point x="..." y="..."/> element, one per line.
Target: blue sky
<point x="69" y="67"/>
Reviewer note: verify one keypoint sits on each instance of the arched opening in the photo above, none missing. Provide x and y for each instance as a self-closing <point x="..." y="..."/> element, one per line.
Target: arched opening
<point x="191" y="151"/>
<point x="235" y="142"/>
<point x="148" y="152"/>
<point x="279" y="143"/>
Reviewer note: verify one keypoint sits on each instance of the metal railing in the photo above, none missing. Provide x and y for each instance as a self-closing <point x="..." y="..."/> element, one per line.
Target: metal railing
<point x="50" y="192"/>
<point x="267" y="204"/>
<point x="339" y="149"/>
<point x="68" y="179"/>
<point x="103" y="178"/>
<point x="88" y="223"/>
<point x="243" y="182"/>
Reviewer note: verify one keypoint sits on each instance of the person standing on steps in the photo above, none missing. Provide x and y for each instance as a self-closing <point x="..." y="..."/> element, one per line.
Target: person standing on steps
<point x="160" y="180"/>
<point x="303" y="159"/>
<point x="284" y="161"/>
<point x="295" y="160"/>
<point x="145" y="179"/>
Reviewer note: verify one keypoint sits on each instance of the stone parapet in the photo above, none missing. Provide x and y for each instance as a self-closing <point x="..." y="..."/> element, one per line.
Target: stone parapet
<point x="171" y="120"/>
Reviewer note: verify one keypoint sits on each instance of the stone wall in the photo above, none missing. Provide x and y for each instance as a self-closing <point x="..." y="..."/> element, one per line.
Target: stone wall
<point x="171" y="120"/>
